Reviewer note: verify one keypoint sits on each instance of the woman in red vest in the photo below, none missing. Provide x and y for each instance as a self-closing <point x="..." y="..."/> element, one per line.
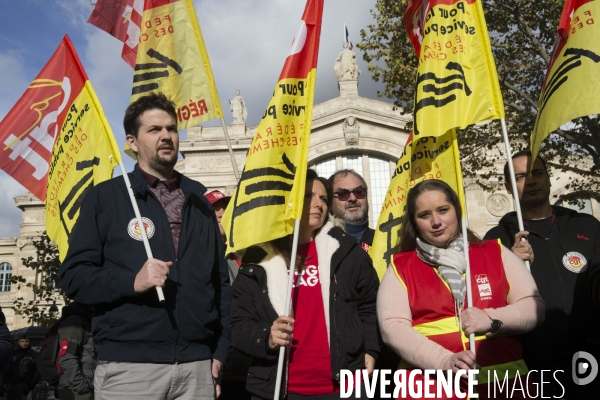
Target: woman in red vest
<point x="422" y="299"/>
<point x="334" y="323"/>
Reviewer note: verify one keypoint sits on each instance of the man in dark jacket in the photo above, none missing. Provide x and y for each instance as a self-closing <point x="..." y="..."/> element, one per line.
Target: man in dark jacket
<point x="21" y="372"/>
<point x="149" y="349"/>
<point x="6" y="345"/>
<point x="564" y="246"/>
<point x="77" y="354"/>
<point x="351" y="205"/>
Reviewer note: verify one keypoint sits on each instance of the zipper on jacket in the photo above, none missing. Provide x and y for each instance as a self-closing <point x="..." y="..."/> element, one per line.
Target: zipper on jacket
<point x="185" y="201"/>
<point x="176" y="253"/>
<point x="337" y="335"/>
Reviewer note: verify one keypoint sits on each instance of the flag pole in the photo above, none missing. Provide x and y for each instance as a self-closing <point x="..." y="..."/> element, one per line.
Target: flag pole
<point x="513" y="182"/>
<point x="462" y="196"/>
<point x="468" y="277"/>
<point x="288" y="304"/>
<point x="136" y="210"/>
<point x="233" y="162"/>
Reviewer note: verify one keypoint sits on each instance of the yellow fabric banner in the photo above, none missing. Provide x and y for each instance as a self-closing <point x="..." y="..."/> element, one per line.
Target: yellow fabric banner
<point x="457" y="84"/>
<point x="428" y="157"/>
<point x="172" y="58"/>
<point x="572" y="85"/>
<point x="270" y="193"/>
<point x="83" y="157"/>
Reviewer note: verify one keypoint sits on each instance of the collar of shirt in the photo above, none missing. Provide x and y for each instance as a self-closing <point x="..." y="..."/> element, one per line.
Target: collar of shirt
<point x="152" y="181"/>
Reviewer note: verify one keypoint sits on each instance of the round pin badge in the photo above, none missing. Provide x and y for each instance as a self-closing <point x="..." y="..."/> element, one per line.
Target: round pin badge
<point x="575" y="262"/>
<point x="134" y="229"/>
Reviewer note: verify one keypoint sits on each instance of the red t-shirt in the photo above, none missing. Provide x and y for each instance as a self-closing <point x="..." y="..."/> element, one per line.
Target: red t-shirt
<point x="309" y="370"/>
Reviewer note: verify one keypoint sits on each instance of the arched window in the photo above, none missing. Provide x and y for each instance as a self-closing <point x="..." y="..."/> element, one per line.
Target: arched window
<point x="376" y="171"/>
<point x="5" y="274"/>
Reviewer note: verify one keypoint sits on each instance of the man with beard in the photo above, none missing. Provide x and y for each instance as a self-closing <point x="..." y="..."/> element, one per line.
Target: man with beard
<point x="351" y="205"/>
<point x="147" y="349"/>
<point x="563" y="247"/>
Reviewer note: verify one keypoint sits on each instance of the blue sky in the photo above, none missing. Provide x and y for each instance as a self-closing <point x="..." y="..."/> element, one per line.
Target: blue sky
<point x="247" y="42"/>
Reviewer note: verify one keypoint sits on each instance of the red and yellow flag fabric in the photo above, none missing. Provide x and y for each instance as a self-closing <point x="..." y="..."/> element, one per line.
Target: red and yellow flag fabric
<point x="427" y="157"/>
<point x="572" y="85"/>
<point x="121" y="19"/>
<point x="163" y="43"/>
<point x="57" y="143"/>
<point x="457" y="84"/>
<point x="270" y="193"/>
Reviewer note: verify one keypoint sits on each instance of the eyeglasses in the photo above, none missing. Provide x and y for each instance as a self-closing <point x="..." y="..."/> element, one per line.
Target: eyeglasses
<point x="344" y="194"/>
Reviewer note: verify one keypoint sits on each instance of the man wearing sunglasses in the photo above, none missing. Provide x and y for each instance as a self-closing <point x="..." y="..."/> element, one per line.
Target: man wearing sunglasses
<point x="350" y="204"/>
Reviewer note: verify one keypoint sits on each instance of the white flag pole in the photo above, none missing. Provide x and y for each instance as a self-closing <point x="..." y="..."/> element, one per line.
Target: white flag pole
<point x="136" y="210"/>
<point x="513" y="182"/>
<point x="233" y="162"/>
<point x="468" y="278"/>
<point x="288" y="306"/>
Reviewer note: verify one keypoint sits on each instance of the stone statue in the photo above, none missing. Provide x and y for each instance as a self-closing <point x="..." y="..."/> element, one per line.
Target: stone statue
<point x="345" y="64"/>
<point x="351" y="125"/>
<point x="351" y="129"/>
<point x="238" y="109"/>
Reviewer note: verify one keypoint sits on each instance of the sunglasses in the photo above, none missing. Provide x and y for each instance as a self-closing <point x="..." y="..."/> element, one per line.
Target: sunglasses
<point x="344" y="194"/>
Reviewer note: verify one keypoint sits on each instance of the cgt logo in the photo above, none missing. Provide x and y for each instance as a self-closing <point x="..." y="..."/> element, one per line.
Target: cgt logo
<point x="584" y="368"/>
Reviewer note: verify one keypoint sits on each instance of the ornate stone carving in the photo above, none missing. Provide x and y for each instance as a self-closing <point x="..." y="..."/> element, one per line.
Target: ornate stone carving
<point x="345" y="64"/>
<point x="351" y="130"/>
<point x="238" y="109"/>
<point x="498" y="204"/>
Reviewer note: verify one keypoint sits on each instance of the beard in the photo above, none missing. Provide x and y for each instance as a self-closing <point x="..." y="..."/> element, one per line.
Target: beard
<point x="358" y="216"/>
<point x="161" y="163"/>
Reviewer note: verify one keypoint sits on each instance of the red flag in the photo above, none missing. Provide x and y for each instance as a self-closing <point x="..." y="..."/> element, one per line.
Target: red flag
<point x="29" y="130"/>
<point x="121" y="19"/>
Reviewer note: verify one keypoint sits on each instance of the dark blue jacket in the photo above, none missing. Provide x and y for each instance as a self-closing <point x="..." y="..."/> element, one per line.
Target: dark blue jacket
<point x="104" y="258"/>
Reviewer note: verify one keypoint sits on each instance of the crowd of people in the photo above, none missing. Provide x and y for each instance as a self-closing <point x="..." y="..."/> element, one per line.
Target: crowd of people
<point x="220" y="330"/>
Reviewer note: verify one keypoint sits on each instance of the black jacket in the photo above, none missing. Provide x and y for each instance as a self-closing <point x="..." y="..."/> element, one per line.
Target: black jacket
<point x="571" y="319"/>
<point x="104" y="257"/>
<point x="258" y="301"/>
<point x="77" y="354"/>
<point x="6" y="345"/>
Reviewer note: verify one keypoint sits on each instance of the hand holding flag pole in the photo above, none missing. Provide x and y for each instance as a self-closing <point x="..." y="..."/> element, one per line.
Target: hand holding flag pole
<point x="513" y="183"/>
<point x="138" y="216"/>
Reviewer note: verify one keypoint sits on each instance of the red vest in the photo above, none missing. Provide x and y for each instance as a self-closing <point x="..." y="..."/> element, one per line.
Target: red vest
<point x="432" y="308"/>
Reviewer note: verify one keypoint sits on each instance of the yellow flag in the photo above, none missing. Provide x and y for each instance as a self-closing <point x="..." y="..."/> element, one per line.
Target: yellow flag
<point x="571" y="87"/>
<point x="457" y="84"/>
<point x="270" y="193"/>
<point x="428" y="157"/>
<point x="172" y="58"/>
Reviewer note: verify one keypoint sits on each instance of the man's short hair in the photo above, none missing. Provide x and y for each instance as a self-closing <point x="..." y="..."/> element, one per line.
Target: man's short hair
<point x="343" y="173"/>
<point x="522" y="153"/>
<point x="152" y="101"/>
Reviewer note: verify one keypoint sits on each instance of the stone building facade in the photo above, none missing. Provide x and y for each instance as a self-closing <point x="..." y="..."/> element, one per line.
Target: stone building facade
<point x="348" y="131"/>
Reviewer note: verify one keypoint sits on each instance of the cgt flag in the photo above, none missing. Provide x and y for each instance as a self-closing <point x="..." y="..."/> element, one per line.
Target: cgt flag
<point x="121" y="19"/>
<point x="270" y="193"/>
<point x="457" y="84"/>
<point x="57" y="143"/>
<point x="572" y="87"/>
<point x="427" y="157"/>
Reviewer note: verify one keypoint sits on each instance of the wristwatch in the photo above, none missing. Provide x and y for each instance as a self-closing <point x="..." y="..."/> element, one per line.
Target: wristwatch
<point x="496" y="326"/>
